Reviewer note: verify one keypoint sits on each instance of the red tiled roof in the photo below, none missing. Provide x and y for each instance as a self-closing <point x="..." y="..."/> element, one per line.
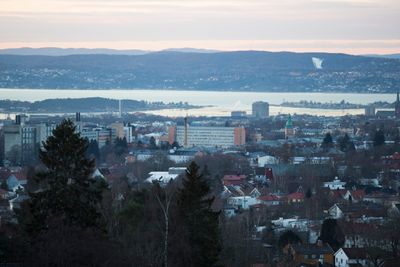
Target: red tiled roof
<point x="358" y="194"/>
<point x="233" y="179"/>
<point x="338" y="193"/>
<point x="295" y="195"/>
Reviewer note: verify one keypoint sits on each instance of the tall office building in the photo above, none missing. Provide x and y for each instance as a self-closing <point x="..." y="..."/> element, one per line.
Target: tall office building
<point x="20" y="142"/>
<point x="369" y="111"/>
<point x="260" y="109"/>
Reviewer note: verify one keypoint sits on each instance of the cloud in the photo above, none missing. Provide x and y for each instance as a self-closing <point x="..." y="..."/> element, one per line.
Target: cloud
<point x="216" y="20"/>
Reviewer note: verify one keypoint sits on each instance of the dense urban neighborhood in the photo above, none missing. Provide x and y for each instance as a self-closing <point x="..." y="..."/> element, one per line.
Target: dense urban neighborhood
<point x="285" y="190"/>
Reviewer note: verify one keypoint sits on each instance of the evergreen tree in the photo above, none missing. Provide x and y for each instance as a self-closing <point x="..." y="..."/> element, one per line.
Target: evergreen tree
<point x="327" y="142"/>
<point x="152" y="142"/>
<point x="67" y="192"/>
<point x="379" y="138"/>
<point x="345" y="144"/>
<point x="120" y="146"/>
<point x="199" y="220"/>
<point x="331" y="234"/>
<point x="93" y="149"/>
<point x="289" y="237"/>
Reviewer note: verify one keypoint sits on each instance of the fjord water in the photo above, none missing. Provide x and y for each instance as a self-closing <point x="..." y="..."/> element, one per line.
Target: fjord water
<point x="223" y="102"/>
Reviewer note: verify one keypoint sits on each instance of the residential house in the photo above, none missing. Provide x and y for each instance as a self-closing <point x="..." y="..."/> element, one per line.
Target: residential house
<point x="363" y="235"/>
<point x="357" y="210"/>
<point x="296" y="197"/>
<point x="382" y="198"/>
<point x="165" y="176"/>
<point x="354" y="195"/>
<point x="269" y="200"/>
<point x="233" y="179"/>
<point x="314" y="254"/>
<point x="394" y="210"/>
<point x="335" y="184"/>
<point x="229" y="211"/>
<point x="243" y="202"/>
<point x="347" y="257"/>
<point x="16" y="181"/>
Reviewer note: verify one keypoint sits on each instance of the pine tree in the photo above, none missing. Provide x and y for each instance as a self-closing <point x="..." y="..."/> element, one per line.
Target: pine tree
<point x="379" y="138"/>
<point x="67" y="192"/>
<point x="327" y="142"/>
<point x="331" y="233"/>
<point x="199" y="220"/>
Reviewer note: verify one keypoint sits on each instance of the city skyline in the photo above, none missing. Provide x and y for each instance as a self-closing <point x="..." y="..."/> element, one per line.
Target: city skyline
<point x="348" y="26"/>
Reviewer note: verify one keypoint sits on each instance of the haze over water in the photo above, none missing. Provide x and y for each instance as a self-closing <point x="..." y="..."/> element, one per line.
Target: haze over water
<point x="222" y="102"/>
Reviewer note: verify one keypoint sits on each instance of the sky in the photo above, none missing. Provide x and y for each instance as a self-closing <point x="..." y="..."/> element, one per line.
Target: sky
<point x="349" y="26"/>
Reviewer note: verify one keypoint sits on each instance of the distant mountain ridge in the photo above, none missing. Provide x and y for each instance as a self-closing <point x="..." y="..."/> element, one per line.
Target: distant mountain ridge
<point x="56" y="51"/>
<point x="237" y="71"/>
<point x="394" y="56"/>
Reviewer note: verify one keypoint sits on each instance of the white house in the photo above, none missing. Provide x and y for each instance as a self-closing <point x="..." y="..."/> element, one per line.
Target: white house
<point x="266" y="160"/>
<point x="292" y="223"/>
<point x="243" y="202"/>
<point x="345" y="257"/>
<point x="335" y="212"/>
<point x="165" y="177"/>
<point x="14" y="183"/>
<point x="335" y="184"/>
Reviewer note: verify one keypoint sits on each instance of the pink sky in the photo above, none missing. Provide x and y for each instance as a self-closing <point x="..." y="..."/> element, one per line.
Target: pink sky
<point x="350" y="26"/>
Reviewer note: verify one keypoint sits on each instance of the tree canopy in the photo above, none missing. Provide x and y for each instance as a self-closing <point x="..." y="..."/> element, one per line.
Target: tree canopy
<point x="67" y="192"/>
<point x="327" y="142"/>
<point x="200" y="222"/>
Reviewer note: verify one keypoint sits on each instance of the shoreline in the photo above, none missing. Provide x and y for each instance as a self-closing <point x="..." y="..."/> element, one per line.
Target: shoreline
<point x="197" y="90"/>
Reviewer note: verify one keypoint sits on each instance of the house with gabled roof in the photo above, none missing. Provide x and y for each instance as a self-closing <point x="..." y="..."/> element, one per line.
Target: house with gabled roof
<point x="243" y="202"/>
<point x="361" y="235"/>
<point x="16" y="181"/>
<point x="335" y="184"/>
<point x="233" y="179"/>
<point x="296" y="197"/>
<point x="354" y="195"/>
<point x="356" y="210"/>
<point x="269" y="200"/>
<point x="347" y="257"/>
<point x="314" y="254"/>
